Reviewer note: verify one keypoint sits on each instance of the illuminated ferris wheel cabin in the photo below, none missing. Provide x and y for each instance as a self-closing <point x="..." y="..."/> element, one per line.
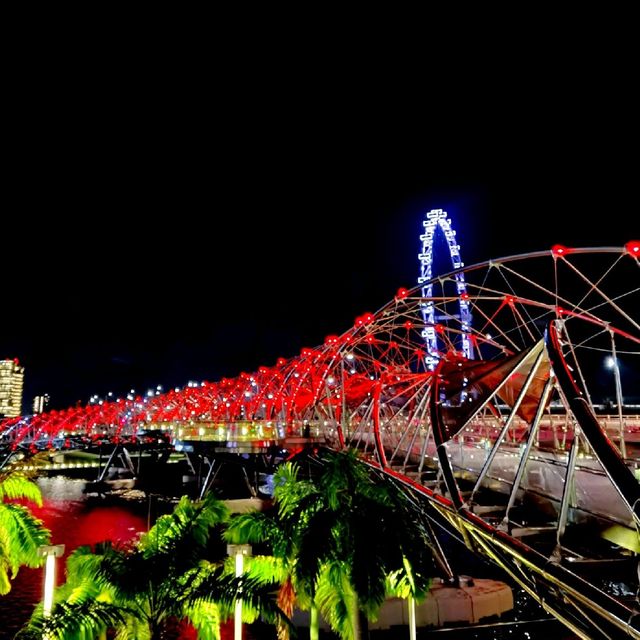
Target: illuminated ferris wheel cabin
<point x="434" y="220"/>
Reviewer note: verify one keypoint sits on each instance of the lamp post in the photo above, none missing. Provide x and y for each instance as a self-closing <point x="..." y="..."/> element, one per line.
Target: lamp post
<point x="239" y="552"/>
<point x="611" y="362"/>
<point x="50" y="552"/>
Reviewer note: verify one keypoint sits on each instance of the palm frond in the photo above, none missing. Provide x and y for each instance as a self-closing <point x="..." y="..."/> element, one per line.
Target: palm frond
<point x="336" y="600"/>
<point x="216" y="584"/>
<point x="266" y="569"/>
<point x="204" y="616"/>
<point x="17" y="485"/>
<point x="289" y="489"/>
<point x="184" y="533"/>
<point x="316" y="546"/>
<point x="252" y="527"/>
<point x="5" y="568"/>
<point x="84" y="571"/>
<point x="78" y="621"/>
<point x="20" y="536"/>
<point x="263" y="527"/>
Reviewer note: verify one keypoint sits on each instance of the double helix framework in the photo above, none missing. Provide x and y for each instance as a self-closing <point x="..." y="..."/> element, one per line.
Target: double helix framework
<point x="521" y="442"/>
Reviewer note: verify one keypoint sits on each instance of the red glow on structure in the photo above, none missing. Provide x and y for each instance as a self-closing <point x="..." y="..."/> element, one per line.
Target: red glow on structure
<point x="560" y="250"/>
<point x="365" y="318"/>
<point x="379" y="350"/>
<point x="633" y="247"/>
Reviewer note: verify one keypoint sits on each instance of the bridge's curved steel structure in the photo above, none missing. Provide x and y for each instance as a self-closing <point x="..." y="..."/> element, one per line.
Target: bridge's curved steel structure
<point x="509" y="450"/>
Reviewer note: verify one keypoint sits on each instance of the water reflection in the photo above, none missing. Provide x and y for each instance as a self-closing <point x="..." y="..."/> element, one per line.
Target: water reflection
<point x="74" y="519"/>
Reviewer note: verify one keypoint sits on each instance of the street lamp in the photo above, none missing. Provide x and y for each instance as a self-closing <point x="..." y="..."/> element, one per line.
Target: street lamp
<point x="611" y="362"/>
<point x="239" y="551"/>
<point x="50" y="552"/>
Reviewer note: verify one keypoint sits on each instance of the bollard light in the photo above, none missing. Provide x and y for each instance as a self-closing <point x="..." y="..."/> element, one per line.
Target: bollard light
<point x="50" y="552"/>
<point x="239" y="552"/>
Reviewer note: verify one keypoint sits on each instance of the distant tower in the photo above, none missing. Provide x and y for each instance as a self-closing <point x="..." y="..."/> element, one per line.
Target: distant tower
<point x="40" y="402"/>
<point x="11" y="384"/>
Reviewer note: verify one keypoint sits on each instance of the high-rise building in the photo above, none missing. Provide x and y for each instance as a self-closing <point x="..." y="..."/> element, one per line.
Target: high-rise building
<point x="40" y="402"/>
<point x="11" y="383"/>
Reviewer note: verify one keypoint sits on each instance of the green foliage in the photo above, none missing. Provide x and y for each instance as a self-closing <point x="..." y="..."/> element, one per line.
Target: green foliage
<point x="205" y="618"/>
<point x="139" y="588"/>
<point x="257" y="592"/>
<point x="81" y="620"/>
<point x="17" y="485"/>
<point x="355" y="528"/>
<point x="20" y="532"/>
<point x="336" y="598"/>
<point x="340" y="541"/>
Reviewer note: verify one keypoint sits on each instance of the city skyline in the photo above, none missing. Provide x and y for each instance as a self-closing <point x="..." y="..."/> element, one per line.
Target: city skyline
<point x="241" y="278"/>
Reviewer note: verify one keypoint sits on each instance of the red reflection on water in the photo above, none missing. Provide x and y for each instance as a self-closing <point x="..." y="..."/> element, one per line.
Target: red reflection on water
<point x="75" y="523"/>
<point x="72" y="523"/>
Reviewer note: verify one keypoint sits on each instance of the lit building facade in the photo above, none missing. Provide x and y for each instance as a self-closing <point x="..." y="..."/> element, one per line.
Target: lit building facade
<point x="11" y="385"/>
<point x="40" y="403"/>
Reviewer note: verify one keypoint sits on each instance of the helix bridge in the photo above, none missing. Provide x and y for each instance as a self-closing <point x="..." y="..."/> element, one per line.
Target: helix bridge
<point x="480" y="390"/>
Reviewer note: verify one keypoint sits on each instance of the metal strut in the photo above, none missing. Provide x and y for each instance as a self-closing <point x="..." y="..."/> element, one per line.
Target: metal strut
<point x="611" y="460"/>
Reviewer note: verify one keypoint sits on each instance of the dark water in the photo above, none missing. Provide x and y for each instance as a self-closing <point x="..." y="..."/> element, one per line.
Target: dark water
<point x="75" y="519"/>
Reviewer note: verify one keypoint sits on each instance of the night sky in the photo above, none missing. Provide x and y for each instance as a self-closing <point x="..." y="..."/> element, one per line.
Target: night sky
<point x="135" y="263"/>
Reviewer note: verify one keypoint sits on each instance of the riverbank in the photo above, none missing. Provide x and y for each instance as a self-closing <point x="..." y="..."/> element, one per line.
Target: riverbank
<point x="76" y="517"/>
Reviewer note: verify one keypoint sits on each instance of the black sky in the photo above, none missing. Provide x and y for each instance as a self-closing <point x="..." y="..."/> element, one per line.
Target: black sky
<point x="138" y="260"/>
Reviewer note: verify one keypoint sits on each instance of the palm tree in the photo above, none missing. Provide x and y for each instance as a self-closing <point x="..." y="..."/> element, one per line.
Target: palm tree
<point x="20" y="532"/>
<point x="280" y="534"/>
<point x="141" y="589"/>
<point x="390" y="553"/>
<point x="356" y="530"/>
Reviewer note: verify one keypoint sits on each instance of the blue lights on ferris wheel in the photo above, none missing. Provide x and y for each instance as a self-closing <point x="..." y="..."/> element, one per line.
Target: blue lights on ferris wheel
<point x="434" y="219"/>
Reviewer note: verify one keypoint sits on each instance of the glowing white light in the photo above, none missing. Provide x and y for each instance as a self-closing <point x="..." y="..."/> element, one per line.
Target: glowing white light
<point x="438" y="218"/>
<point x="610" y="362"/>
<point x="51" y="552"/>
<point x="49" y="581"/>
<point x="350" y="356"/>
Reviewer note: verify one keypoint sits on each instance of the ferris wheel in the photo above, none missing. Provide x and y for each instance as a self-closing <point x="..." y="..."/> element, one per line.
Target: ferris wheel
<point x="437" y="219"/>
